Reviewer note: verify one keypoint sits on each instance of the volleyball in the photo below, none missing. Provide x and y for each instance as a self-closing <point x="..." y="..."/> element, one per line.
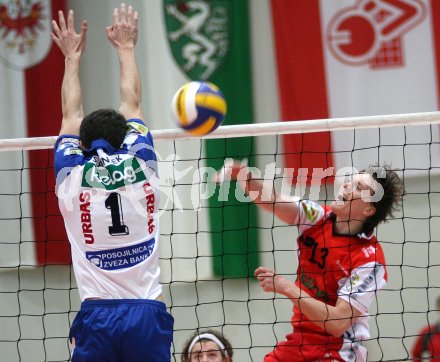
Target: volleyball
<point x="199" y="108"/>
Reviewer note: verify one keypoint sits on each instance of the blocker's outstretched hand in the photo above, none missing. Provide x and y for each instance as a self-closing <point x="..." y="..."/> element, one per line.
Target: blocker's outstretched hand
<point x="71" y="43"/>
<point x="124" y="31"/>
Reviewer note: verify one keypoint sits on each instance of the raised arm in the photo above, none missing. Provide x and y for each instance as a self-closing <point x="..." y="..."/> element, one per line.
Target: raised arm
<point x="335" y="320"/>
<point x="72" y="46"/>
<point x="261" y="193"/>
<point x="123" y="36"/>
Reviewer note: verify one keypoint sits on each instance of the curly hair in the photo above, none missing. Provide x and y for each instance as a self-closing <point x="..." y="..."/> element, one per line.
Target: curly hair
<point x="393" y="191"/>
<point x="106" y="124"/>
<point x="186" y="356"/>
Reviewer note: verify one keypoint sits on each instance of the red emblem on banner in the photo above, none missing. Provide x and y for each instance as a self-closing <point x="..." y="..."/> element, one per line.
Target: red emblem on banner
<point x="371" y="31"/>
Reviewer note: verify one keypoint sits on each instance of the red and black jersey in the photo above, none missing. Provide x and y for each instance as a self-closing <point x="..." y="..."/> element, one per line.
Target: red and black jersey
<point x="332" y="266"/>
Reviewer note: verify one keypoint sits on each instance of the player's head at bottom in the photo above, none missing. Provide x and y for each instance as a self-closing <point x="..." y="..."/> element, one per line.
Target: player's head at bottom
<point x="207" y="346"/>
<point x="106" y="124"/>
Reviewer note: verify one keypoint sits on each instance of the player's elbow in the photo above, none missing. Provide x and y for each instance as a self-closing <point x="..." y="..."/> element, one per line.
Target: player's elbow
<point x="130" y="90"/>
<point x="288" y="219"/>
<point x="337" y="327"/>
<point x="131" y="109"/>
<point x="286" y="211"/>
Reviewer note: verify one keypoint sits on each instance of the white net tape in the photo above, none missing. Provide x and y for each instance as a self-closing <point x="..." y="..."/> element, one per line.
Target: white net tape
<point x="262" y="129"/>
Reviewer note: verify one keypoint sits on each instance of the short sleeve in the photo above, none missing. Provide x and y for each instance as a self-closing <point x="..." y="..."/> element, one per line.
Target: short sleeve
<point x="360" y="288"/>
<point x="309" y="214"/>
<point x="139" y="142"/>
<point x="68" y="154"/>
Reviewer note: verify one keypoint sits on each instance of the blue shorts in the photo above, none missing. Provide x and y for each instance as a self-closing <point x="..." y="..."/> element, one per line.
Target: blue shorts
<point x="122" y="330"/>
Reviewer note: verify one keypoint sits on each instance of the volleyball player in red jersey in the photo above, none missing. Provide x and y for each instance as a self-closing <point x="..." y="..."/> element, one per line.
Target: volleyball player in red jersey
<point x="427" y="344"/>
<point x="341" y="265"/>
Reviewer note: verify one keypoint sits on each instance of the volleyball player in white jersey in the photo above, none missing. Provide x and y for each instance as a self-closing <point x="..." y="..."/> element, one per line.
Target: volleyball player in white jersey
<point x="106" y="176"/>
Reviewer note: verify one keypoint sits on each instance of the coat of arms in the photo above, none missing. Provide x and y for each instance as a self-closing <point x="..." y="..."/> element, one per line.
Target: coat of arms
<point x="199" y="35"/>
<point x="24" y="32"/>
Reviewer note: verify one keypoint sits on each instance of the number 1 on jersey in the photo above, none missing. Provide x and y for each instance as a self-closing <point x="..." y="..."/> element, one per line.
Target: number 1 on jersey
<point x="113" y="202"/>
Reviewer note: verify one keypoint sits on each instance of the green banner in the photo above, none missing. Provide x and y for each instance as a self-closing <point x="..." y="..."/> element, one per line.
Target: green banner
<point x="217" y="32"/>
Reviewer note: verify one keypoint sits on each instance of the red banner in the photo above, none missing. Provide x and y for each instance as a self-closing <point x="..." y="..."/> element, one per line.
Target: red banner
<point x="301" y="80"/>
<point x="43" y="108"/>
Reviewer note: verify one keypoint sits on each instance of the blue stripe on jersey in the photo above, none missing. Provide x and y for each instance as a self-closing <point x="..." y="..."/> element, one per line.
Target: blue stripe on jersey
<point x="143" y="146"/>
<point x="69" y="154"/>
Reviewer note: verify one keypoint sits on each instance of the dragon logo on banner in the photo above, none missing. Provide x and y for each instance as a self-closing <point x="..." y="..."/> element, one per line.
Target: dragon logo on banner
<point x="371" y="32"/>
<point x="24" y="32"/>
<point x="199" y="35"/>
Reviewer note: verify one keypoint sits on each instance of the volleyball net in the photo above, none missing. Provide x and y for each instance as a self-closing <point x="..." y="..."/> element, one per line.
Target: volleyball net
<point x="212" y="237"/>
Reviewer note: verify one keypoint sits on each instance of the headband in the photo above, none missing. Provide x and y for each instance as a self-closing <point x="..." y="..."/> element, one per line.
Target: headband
<point x="210" y="337"/>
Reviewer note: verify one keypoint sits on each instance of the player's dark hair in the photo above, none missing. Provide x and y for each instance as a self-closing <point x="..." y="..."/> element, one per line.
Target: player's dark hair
<point x="185" y="353"/>
<point x="106" y="124"/>
<point x="393" y="190"/>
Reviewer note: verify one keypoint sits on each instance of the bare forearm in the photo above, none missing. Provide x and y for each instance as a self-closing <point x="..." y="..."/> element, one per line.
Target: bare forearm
<point x="72" y="46"/>
<point x="255" y="189"/>
<point x="335" y="320"/>
<point x="265" y="196"/>
<point x="321" y="314"/>
<point x="325" y="316"/>
<point x="130" y="86"/>
<point x="123" y="36"/>
<point x="71" y="99"/>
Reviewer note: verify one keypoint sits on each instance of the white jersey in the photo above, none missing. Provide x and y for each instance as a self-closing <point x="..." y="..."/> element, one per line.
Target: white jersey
<point x="109" y="200"/>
